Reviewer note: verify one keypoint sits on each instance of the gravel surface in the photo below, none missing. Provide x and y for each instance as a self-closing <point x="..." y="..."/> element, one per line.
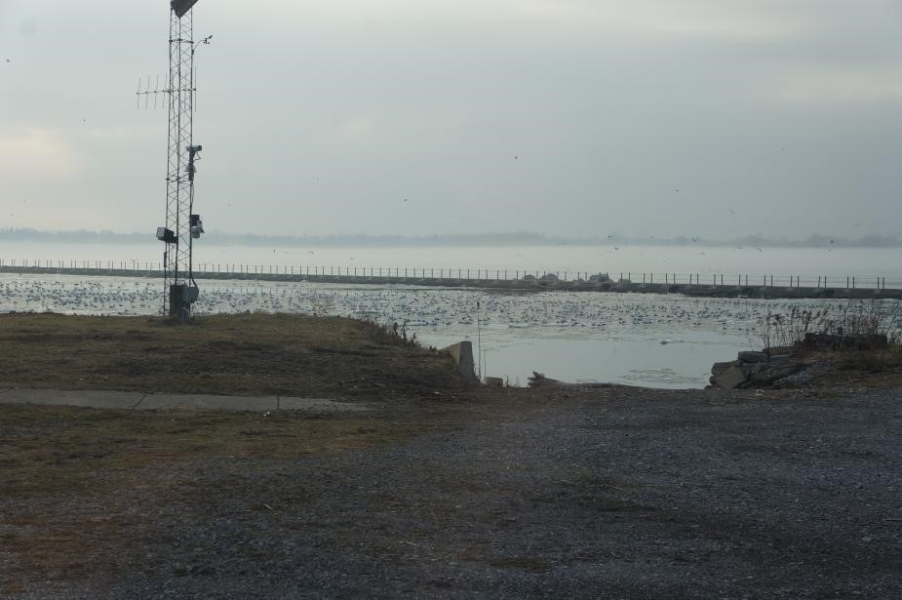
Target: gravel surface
<point x="560" y="493"/>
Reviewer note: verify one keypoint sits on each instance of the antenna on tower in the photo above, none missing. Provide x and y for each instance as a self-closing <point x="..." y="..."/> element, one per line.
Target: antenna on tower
<point x="147" y="92"/>
<point x="182" y="225"/>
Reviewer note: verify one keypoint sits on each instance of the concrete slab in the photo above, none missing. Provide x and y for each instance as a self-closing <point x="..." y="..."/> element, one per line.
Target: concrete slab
<point x="92" y="398"/>
<point x="319" y="405"/>
<point x="207" y="402"/>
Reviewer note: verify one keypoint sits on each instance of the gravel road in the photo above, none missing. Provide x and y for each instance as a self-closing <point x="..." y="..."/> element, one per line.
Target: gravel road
<point x="560" y="493"/>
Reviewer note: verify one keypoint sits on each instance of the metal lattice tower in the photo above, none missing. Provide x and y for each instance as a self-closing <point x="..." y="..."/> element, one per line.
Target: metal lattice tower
<point x="183" y="225"/>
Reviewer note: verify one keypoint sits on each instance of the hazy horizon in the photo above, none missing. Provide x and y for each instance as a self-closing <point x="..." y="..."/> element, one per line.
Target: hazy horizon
<point x="574" y="118"/>
<point x="524" y="238"/>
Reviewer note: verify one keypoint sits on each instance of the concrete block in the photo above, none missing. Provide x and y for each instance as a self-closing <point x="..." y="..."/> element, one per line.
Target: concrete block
<point x="494" y="382"/>
<point x="462" y="353"/>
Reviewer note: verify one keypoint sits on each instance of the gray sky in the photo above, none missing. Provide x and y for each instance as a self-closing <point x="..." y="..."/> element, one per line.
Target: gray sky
<point x="713" y="118"/>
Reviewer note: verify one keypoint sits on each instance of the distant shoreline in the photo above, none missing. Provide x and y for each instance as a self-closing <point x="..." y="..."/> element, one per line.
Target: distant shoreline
<point x="498" y="239"/>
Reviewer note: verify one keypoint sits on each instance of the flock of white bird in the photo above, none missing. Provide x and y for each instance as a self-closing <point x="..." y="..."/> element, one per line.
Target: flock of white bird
<point x="419" y="308"/>
<point x="589" y="336"/>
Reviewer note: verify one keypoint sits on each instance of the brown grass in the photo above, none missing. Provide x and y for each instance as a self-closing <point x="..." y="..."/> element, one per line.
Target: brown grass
<point x="78" y="487"/>
<point x="249" y="354"/>
<point x="872" y="368"/>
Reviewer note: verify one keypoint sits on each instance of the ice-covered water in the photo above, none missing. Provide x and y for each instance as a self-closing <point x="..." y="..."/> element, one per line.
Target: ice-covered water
<point x="642" y="339"/>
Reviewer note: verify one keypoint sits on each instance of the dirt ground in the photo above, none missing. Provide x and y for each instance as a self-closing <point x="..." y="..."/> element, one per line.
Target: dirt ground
<point x="596" y="492"/>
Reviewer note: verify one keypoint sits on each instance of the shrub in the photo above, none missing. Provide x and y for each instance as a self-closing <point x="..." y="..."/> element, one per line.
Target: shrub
<point x="856" y="319"/>
<point x="393" y="334"/>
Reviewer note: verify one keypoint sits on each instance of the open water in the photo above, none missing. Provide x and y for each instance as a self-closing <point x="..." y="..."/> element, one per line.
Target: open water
<point x="651" y="340"/>
<point x="640" y="339"/>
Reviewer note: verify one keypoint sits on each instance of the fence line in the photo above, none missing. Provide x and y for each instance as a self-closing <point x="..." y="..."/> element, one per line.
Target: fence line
<point x="209" y="270"/>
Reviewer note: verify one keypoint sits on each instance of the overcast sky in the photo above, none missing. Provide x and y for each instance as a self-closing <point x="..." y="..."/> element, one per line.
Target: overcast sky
<point x="712" y="118"/>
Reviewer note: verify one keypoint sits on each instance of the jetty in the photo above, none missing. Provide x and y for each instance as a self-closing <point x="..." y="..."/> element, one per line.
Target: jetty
<point x="711" y="286"/>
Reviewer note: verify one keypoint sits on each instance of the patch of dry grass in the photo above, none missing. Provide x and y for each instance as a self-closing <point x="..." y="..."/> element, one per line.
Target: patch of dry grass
<point x="78" y="487"/>
<point x="248" y="354"/>
<point x="81" y="489"/>
<point x="873" y="368"/>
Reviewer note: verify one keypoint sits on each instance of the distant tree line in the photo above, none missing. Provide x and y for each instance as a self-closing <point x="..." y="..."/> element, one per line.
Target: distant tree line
<point x="470" y="239"/>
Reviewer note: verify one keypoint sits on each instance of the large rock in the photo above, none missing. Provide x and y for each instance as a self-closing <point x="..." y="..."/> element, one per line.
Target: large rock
<point x="774" y="373"/>
<point x="720" y="367"/>
<point x="752" y="357"/>
<point x="753" y="369"/>
<point x="780" y="360"/>
<point x="731" y="378"/>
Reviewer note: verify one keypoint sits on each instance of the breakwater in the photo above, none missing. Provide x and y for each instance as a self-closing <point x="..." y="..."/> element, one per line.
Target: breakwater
<point x="713" y="286"/>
